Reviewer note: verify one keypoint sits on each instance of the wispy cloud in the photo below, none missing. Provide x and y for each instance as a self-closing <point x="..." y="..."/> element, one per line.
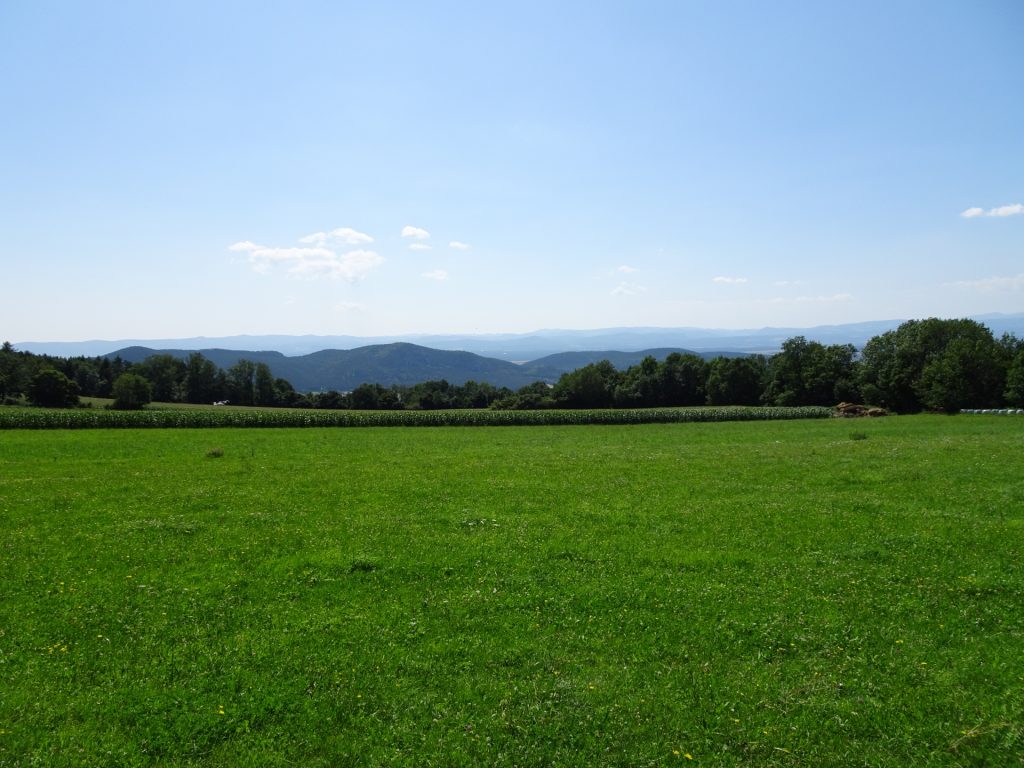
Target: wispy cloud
<point x="415" y="233"/>
<point x="993" y="284"/>
<point x="309" y="263"/>
<point x="1004" y="210"/>
<point x="345" y="235"/>
<point x="626" y="270"/>
<point x="420" y="247"/>
<point x="628" y="289"/>
<point x="729" y="280"/>
<point x="437" y="274"/>
<point x="459" y="246"/>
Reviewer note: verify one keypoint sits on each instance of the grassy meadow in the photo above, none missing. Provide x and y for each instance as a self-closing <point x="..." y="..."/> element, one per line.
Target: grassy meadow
<point x="799" y="593"/>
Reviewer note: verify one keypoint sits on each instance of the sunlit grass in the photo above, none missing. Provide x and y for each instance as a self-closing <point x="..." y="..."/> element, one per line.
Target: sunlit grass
<point x="743" y="593"/>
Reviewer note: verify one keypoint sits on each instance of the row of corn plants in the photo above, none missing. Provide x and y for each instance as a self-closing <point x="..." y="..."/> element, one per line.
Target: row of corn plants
<point x="32" y="418"/>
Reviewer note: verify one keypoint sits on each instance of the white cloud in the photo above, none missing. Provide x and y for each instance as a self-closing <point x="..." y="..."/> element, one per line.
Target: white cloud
<point x="1002" y="211"/>
<point x="245" y="245"/>
<point x="991" y="284"/>
<point x="627" y="289"/>
<point x="345" y="235"/>
<point x="310" y="263"/>
<point x="1008" y="210"/>
<point x="459" y="246"/>
<point x="437" y="274"/>
<point x="784" y="283"/>
<point x="415" y="232"/>
<point x="626" y="270"/>
<point x="729" y="280"/>
<point x="420" y="247"/>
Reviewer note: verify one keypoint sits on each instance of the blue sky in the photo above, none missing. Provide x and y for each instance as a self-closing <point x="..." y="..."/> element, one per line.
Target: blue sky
<point x="187" y="168"/>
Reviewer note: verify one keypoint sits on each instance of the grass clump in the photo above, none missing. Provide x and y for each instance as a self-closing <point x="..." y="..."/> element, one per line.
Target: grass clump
<point x="362" y="565"/>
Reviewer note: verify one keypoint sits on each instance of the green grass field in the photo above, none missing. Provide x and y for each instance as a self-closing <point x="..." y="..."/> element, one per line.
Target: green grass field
<point x="807" y="593"/>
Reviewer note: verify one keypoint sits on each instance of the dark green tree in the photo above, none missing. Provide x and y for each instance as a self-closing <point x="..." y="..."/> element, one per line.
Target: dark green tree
<point x="1014" y="392"/>
<point x="640" y="386"/>
<point x="241" y="382"/>
<point x="53" y="389"/>
<point x="332" y="400"/>
<point x="970" y="372"/>
<point x="106" y="381"/>
<point x="366" y="397"/>
<point x="893" y="365"/>
<point x="736" y="380"/>
<point x="166" y="374"/>
<point x="474" y="394"/>
<point x="85" y="372"/>
<point x="131" y="392"/>
<point x="201" y="380"/>
<point x="683" y="380"/>
<point x="532" y="397"/>
<point x="109" y="370"/>
<point x="12" y="371"/>
<point x="263" y="385"/>
<point x="810" y="373"/>
<point x="592" y="386"/>
<point x="431" y="396"/>
<point x="285" y="394"/>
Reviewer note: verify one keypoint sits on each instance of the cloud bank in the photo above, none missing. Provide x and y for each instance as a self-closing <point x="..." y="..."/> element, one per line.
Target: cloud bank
<point x="1005" y="210"/>
<point x="313" y="262"/>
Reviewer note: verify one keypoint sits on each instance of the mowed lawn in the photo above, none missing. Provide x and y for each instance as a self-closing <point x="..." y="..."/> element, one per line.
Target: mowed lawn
<point x="814" y="593"/>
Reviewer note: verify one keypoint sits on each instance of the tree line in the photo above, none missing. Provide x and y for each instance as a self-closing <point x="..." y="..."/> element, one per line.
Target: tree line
<point x="933" y="364"/>
<point x="56" y="381"/>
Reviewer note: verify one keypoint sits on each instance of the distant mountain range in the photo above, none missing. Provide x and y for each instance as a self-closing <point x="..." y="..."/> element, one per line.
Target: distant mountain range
<point x="400" y="363"/>
<point x="524" y="347"/>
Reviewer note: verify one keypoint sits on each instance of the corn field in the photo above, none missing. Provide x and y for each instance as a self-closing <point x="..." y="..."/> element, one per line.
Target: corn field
<point x="32" y="418"/>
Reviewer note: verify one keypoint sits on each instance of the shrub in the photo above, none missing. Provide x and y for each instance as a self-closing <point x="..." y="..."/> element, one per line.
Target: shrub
<point x="131" y="392"/>
<point x="52" y="389"/>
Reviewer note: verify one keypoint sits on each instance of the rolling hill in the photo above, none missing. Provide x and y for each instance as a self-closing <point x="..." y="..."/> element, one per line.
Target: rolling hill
<point x="344" y="370"/>
<point x="405" y="364"/>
